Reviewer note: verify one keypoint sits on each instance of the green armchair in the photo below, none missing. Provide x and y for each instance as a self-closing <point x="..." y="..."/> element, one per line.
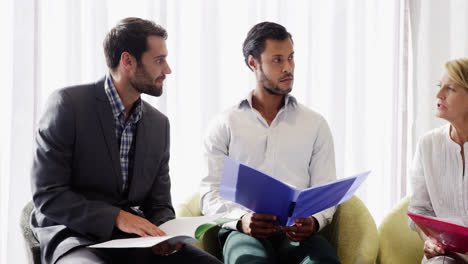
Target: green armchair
<point x="352" y="232"/>
<point x="33" y="249"/>
<point x="398" y="243"/>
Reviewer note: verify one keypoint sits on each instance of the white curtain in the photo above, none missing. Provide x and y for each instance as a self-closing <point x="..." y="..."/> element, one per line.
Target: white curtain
<point x="439" y="33"/>
<point x="6" y="75"/>
<point x="368" y="66"/>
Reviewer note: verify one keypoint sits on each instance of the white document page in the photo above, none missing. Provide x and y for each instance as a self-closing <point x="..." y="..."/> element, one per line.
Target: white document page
<point x="179" y="229"/>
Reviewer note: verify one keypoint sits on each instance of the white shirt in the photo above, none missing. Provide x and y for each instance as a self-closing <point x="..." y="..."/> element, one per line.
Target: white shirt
<point x="297" y="148"/>
<point x="439" y="187"/>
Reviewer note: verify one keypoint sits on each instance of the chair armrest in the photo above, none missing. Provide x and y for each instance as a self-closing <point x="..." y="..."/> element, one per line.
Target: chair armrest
<point x="398" y="243"/>
<point x="189" y="207"/>
<point x="353" y="233"/>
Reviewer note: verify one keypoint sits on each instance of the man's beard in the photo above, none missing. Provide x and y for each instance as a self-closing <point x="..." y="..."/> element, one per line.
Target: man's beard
<point x="271" y="88"/>
<point x="144" y="84"/>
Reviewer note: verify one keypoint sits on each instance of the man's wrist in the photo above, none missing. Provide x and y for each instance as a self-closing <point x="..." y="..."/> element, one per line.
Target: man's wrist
<point x="316" y="224"/>
<point x="239" y="225"/>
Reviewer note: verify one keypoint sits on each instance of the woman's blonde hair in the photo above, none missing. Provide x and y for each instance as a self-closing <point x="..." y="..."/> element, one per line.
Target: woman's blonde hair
<point x="458" y="71"/>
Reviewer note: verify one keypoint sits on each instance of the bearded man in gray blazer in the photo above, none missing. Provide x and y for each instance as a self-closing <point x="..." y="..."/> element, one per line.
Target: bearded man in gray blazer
<point x="100" y="168"/>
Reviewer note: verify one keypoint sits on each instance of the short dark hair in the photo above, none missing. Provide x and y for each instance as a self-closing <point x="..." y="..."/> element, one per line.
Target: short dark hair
<point x="254" y="44"/>
<point x="130" y="35"/>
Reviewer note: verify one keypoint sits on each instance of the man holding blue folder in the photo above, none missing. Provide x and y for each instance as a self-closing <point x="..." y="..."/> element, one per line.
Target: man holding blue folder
<point x="270" y="131"/>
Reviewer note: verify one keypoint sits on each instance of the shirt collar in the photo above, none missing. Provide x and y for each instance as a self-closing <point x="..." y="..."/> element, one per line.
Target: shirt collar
<point x="117" y="106"/>
<point x="290" y="101"/>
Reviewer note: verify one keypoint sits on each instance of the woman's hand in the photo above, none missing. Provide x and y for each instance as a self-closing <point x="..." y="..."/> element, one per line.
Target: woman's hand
<point x="432" y="248"/>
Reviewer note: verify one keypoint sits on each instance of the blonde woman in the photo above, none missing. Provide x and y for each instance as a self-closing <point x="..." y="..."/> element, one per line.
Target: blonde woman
<point x="439" y="170"/>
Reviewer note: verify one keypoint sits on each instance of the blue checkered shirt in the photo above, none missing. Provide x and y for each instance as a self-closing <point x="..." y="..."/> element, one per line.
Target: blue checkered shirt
<point x="124" y="132"/>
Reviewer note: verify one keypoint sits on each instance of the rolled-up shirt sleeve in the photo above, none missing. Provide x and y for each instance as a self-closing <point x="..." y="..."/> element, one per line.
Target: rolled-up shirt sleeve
<point x="420" y="202"/>
<point x="215" y="148"/>
<point x="322" y="168"/>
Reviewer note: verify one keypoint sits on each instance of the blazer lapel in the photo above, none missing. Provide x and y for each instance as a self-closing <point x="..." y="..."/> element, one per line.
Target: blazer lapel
<point x="108" y="129"/>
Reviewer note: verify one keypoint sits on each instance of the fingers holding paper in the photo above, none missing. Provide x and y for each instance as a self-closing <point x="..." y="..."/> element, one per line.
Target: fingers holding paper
<point x="133" y="224"/>
<point x="303" y="228"/>
<point x="258" y="225"/>
<point x="165" y="248"/>
<point x="432" y="248"/>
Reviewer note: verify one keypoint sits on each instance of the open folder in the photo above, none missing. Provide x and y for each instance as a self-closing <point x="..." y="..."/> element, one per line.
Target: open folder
<point x="264" y="194"/>
<point x="453" y="237"/>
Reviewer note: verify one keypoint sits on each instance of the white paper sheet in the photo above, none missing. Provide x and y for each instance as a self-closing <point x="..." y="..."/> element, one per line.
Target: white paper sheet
<point x="179" y="229"/>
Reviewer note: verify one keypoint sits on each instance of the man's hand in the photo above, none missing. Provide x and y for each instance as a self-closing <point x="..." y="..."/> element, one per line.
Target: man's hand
<point x="258" y="225"/>
<point x="133" y="224"/>
<point x="303" y="229"/>
<point x="164" y="248"/>
<point x="432" y="248"/>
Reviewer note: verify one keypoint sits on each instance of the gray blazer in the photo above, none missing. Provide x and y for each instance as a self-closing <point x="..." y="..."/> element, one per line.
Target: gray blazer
<point x="76" y="176"/>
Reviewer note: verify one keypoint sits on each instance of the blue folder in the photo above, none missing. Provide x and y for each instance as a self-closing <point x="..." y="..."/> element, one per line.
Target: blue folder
<point x="262" y="193"/>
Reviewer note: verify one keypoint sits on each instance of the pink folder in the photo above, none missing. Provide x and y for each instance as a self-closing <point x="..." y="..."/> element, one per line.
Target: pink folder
<point x="453" y="237"/>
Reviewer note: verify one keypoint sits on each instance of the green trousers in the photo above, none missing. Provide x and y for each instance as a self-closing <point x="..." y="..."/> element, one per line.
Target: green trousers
<point x="239" y="248"/>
